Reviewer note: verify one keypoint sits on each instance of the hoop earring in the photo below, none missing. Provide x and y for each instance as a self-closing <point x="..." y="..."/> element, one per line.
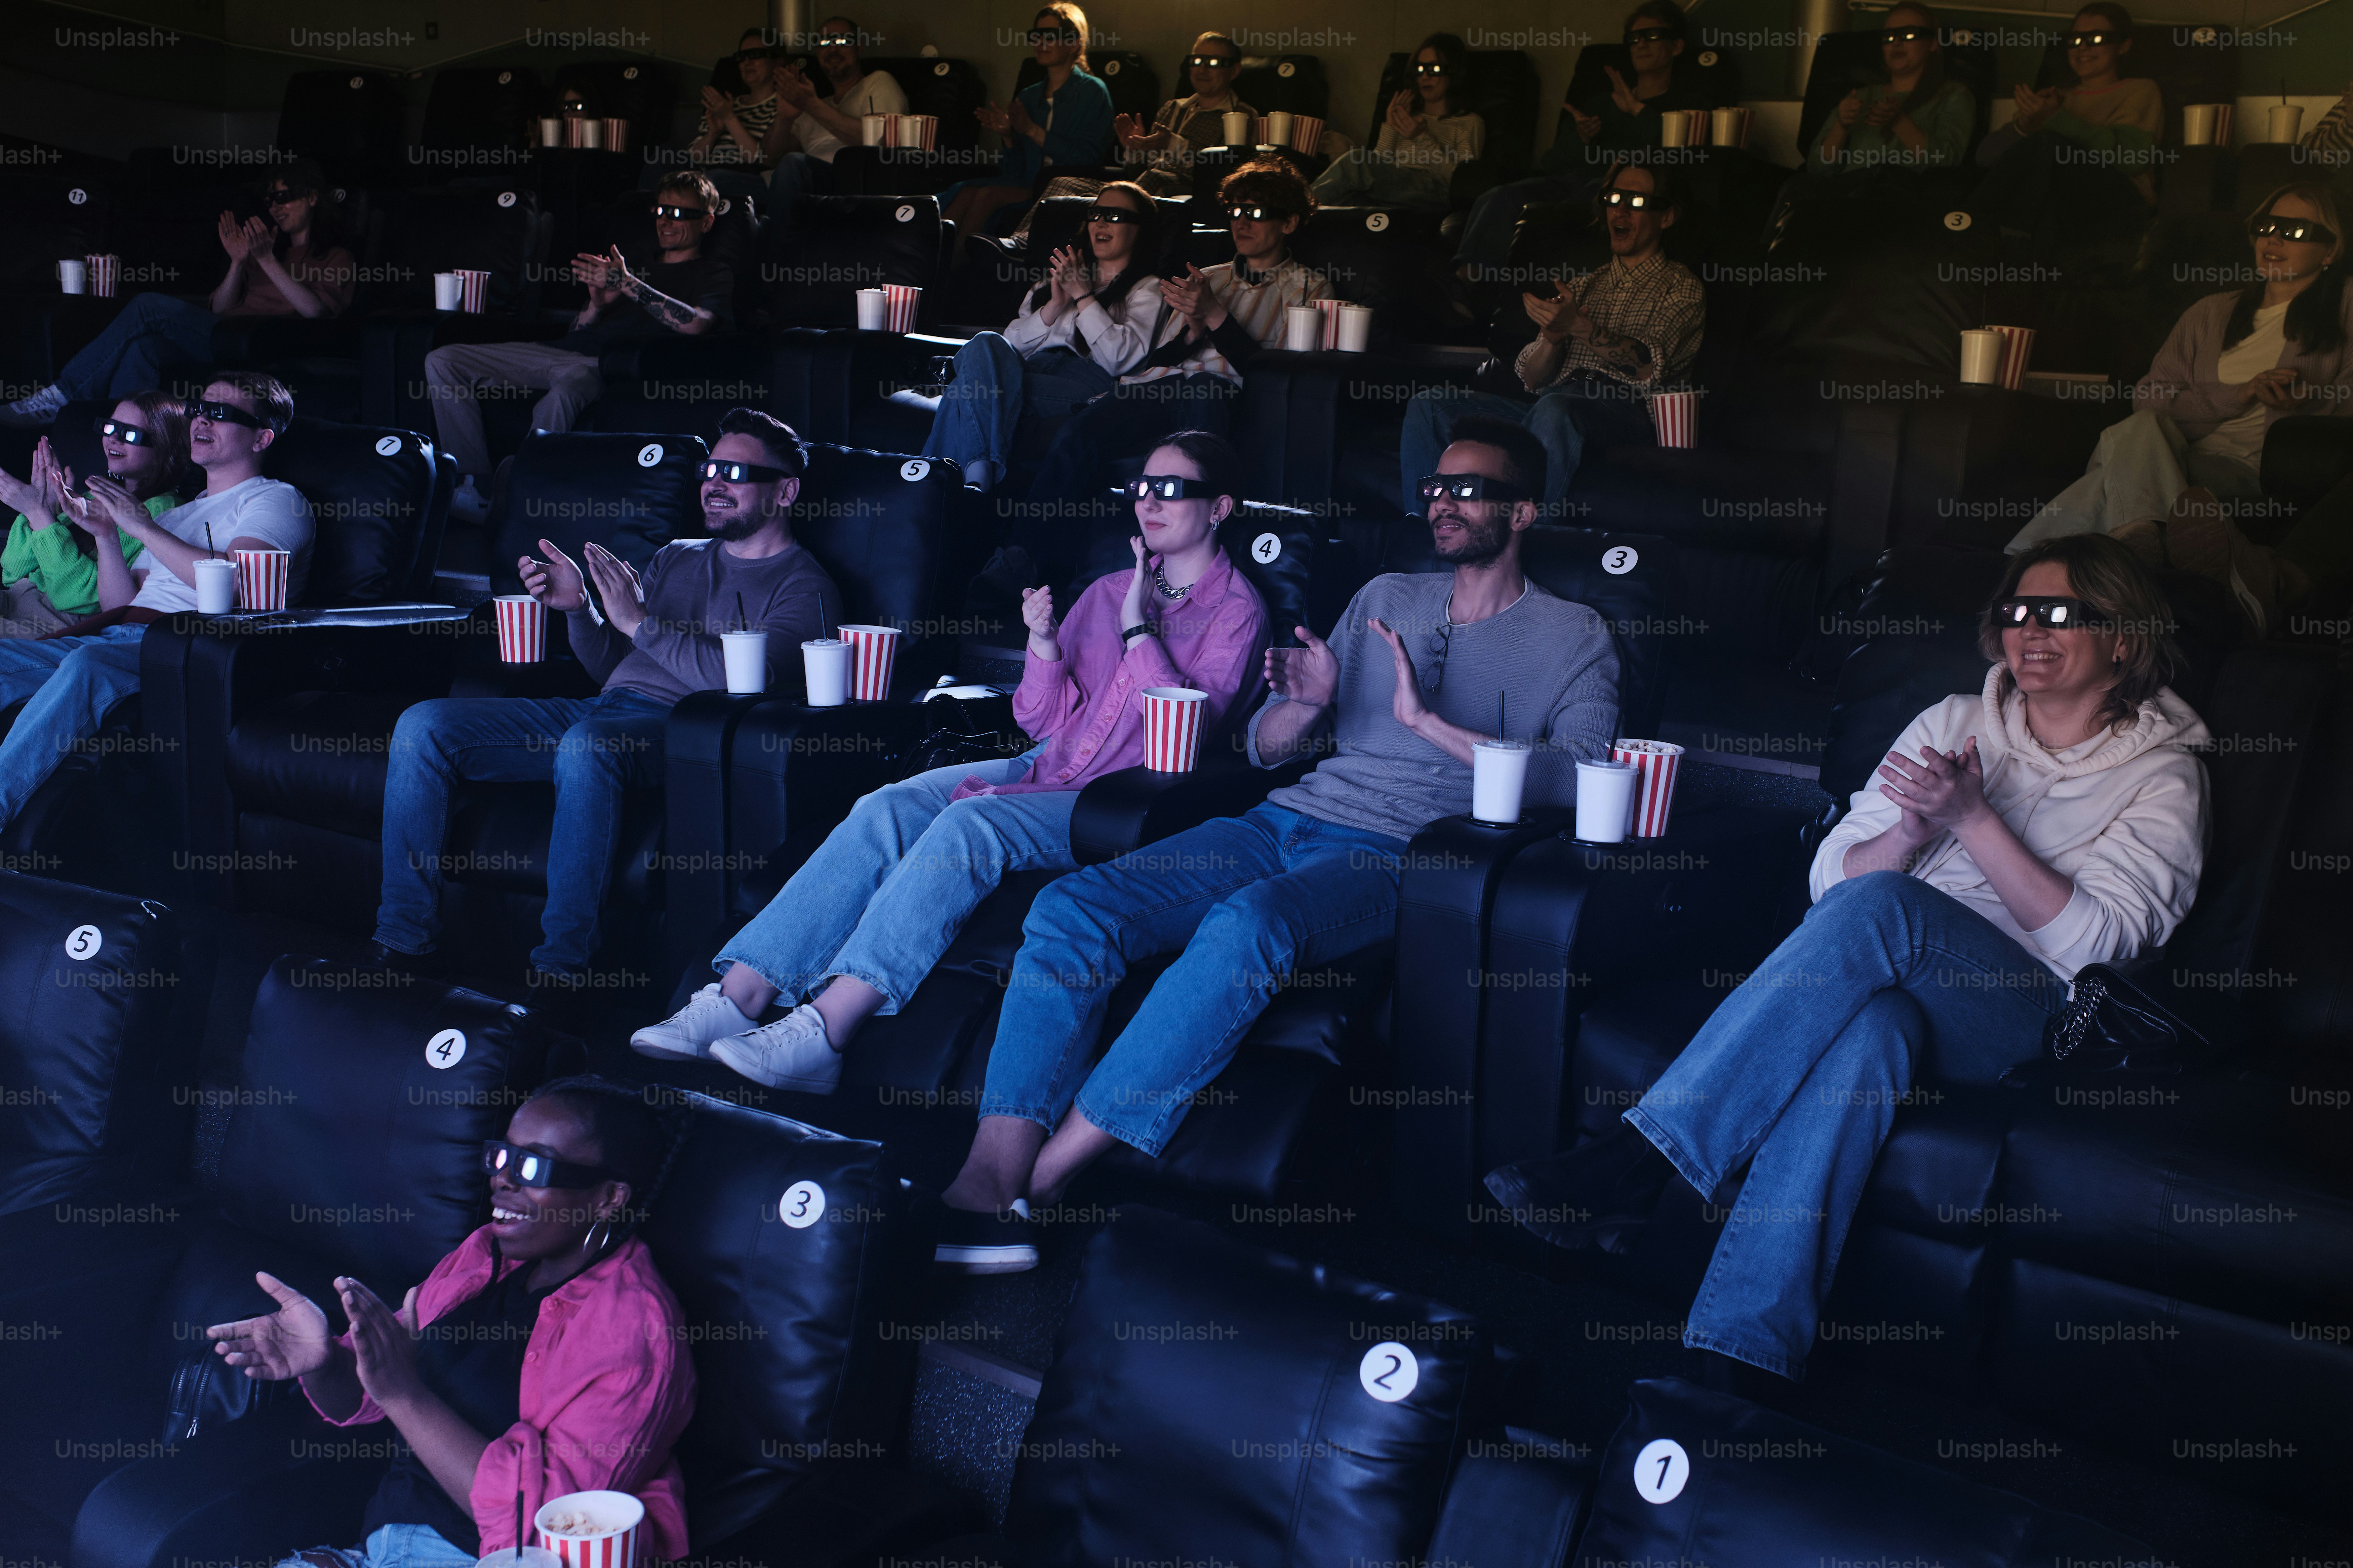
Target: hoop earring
<point x="593" y="1243"/>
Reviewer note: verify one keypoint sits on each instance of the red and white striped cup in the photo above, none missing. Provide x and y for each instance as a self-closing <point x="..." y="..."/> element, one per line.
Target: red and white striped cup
<point x="1172" y="728"/>
<point x="472" y="288"/>
<point x="261" y="577"/>
<point x="914" y="130"/>
<point x="616" y="135"/>
<point x="1729" y="128"/>
<point x="1306" y="133"/>
<point x="1675" y="416"/>
<point x="575" y="131"/>
<point x="899" y="302"/>
<point x="522" y="628"/>
<point x="873" y="651"/>
<point x="1330" y="310"/>
<point x="2017" y="348"/>
<point x="1655" y="762"/>
<point x="104" y="272"/>
<point x="591" y="1530"/>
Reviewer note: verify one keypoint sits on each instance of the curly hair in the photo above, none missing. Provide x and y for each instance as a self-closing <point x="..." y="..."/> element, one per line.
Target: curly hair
<point x="1271" y="184"/>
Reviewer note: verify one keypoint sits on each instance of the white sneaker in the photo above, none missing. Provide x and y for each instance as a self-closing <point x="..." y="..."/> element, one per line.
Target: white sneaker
<point x="468" y="504"/>
<point x="686" y="1033"/>
<point x="34" y="412"/>
<point x="791" y="1053"/>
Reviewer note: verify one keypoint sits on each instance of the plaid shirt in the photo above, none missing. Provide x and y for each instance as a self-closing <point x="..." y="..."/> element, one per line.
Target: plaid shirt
<point x="2333" y="134"/>
<point x="1655" y="302"/>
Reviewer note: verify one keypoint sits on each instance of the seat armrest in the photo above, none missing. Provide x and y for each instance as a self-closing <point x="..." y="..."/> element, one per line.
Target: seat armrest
<point x="1125" y="810"/>
<point x="845" y="1514"/>
<point x="1517" y="1500"/>
<point x="2305" y="456"/>
<point x="256" y="339"/>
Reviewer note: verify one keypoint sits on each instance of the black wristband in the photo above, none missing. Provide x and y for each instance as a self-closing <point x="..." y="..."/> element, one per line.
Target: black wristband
<point x="1132" y="633"/>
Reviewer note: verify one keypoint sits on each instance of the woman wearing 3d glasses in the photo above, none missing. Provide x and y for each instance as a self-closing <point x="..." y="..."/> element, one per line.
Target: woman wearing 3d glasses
<point x="862" y="923"/>
<point x="1079" y="331"/>
<point x="2169" y="479"/>
<point x="2107" y="123"/>
<point x="52" y="570"/>
<point x="2057" y="819"/>
<point x="543" y="1356"/>
<point x="1427" y="134"/>
<point x="1060" y="122"/>
<point x="1919" y="120"/>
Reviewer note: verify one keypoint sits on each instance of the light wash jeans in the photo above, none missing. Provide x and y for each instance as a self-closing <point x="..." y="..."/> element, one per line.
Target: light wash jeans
<point x="591" y="749"/>
<point x="2140" y="470"/>
<point x="1566" y="419"/>
<point x="888" y="890"/>
<point x="981" y="409"/>
<point x="149" y="334"/>
<point x="1248" y="902"/>
<point x="392" y="1546"/>
<point x="1799" y="1073"/>
<point x="66" y="685"/>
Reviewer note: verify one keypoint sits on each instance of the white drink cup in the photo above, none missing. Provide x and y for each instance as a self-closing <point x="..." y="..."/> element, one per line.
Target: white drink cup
<point x="1278" y="129"/>
<point x="1605" y="799"/>
<point x="747" y="662"/>
<point x="1499" y="777"/>
<point x="449" y="291"/>
<point x="1355" y="328"/>
<point x="2287" y="119"/>
<point x="873" y="129"/>
<point x="592" y="133"/>
<point x="1302" y="329"/>
<point x="1238" y="126"/>
<point x="826" y="663"/>
<point x="1981" y="350"/>
<point x="2198" y="124"/>
<point x="524" y="1557"/>
<point x="1675" y="128"/>
<point x="874" y="309"/>
<point x="551" y="132"/>
<point x="73" y="276"/>
<point x="216" y="587"/>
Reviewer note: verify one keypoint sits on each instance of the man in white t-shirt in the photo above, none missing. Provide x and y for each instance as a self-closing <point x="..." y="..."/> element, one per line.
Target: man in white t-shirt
<point x="68" y="683"/>
<point x="820" y="126"/>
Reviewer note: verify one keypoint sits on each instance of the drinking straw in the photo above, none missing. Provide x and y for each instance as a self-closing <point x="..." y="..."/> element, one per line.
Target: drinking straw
<point x="518" y="1545"/>
<point x="1499" y="732"/>
<point x="739" y="610"/>
<point x="208" y="537"/>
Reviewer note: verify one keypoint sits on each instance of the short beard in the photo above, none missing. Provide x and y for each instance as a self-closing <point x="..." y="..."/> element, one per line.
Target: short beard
<point x="1481" y="543"/>
<point x="743" y="527"/>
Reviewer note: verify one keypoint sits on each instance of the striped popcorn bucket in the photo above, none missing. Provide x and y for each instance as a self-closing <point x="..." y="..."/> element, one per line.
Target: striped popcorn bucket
<point x="261" y="578"/>
<point x="874" y="130"/>
<point x="522" y="628"/>
<point x="914" y="130"/>
<point x="1729" y="128"/>
<point x="1330" y="310"/>
<point x="1172" y="728"/>
<point x="591" y="1530"/>
<point x="1699" y="120"/>
<point x="1654" y="763"/>
<point x="1306" y="133"/>
<point x="2017" y="348"/>
<point x="576" y="131"/>
<point x="899" y="302"/>
<point x="472" y="287"/>
<point x="104" y="271"/>
<point x="616" y="135"/>
<point x="873" y="651"/>
<point x="1675" y="415"/>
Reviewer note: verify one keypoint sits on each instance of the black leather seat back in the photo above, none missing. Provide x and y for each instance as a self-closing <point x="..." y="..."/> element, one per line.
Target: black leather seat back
<point x="836" y="245"/>
<point x="54" y="216"/>
<point x="630" y="493"/>
<point x="86" y="1049"/>
<point x="483" y="106"/>
<point x="946" y="90"/>
<point x="371" y="493"/>
<point x="349" y="120"/>
<point x="487" y="230"/>
<point x="1281" y="571"/>
<point x="1261" y="1388"/>
<point x="1691" y="1476"/>
<point x="637" y="90"/>
<point x="878" y="522"/>
<point x="1502" y="91"/>
<point x="1372" y="255"/>
<point x="362" y="1109"/>
<point x="1287" y="84"/>
<point x="1639" y="599"/>
<point x="784" y="1244"/>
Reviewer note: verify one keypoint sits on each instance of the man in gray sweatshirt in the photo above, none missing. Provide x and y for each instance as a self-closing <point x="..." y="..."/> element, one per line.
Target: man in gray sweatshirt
<point x="656" y="642"/>
<point x="1392" y="706"/>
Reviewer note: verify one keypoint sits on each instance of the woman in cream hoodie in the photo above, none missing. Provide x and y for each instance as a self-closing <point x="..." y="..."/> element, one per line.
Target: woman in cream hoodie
<point x="2058" y="819"/>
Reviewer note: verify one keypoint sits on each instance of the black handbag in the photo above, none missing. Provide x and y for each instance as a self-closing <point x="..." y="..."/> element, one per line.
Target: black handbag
<point x="2119" y="1019"/>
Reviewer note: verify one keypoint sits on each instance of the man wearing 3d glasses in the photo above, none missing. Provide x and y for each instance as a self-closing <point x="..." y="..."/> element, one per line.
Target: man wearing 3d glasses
<point x="684" y="291"/>
<point x="656" y="642"/>
<point x="1391" y="706"/>
<point x="1604" y="343"/>
<point x="68" y="682"/>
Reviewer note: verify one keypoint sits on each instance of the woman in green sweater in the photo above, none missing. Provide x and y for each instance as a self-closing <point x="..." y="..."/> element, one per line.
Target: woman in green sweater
<point x="1918" y="119"/>
<point x="2085" y="154"/>
<point x="50" y="567"/>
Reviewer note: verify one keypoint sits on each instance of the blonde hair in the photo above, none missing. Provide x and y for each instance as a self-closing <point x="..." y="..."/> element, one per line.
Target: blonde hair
<point x="1072" y="16"/>
<point x="2109" y="577"/>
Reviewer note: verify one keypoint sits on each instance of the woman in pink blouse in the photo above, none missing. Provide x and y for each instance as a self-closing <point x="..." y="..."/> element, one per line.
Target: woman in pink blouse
<point x="862" y="923"/>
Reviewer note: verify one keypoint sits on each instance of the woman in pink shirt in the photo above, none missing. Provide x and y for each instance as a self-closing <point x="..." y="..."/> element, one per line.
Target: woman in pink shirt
<point x="543" y="1356"/>
<point x="867" y="917"/>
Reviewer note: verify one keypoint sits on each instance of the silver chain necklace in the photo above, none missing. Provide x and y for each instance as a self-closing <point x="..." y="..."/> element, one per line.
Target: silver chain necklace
<point x="1160" y="581"/>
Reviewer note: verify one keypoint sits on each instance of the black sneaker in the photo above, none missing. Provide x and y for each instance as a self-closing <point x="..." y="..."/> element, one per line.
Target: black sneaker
<point x="998" y="1243"/>
<point x="1602" y="1193"/>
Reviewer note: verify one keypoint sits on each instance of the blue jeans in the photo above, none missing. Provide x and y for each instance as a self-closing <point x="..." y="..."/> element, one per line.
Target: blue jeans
<point x="888" y="890"/>
<point x="150" y="332"/>
<point x="1247" y="900"/>
<point x="981" y="409"/>
<point x="65" y="684"/>
<point x="392" y="1546"/>
<point x="591" y="749"/>
<point x="1495" y="217"/>
<point x="1798" y="1075"/>
<point x="1567" y="420"/>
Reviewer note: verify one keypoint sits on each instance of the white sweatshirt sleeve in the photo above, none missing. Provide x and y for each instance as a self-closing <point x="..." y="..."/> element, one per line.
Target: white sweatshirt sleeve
<point x="2137" y="880"/>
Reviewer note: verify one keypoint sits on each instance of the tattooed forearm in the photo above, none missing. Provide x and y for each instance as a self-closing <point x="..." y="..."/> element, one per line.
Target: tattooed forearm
<point x="672" y="313"/>
<point x="1619" y="349"/>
